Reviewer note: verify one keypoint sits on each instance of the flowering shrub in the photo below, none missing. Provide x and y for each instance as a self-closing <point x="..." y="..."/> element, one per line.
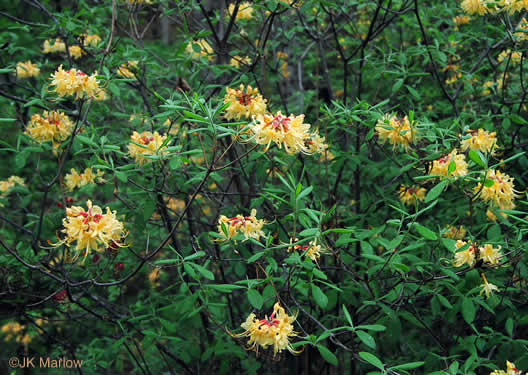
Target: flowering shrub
<point x="265" y="187"/>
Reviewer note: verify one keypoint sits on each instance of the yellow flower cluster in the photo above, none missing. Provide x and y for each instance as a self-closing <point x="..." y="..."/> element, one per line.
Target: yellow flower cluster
<point x="510" y="370"/>
<point x="274" y="331"/>
<point x="412" y="195"/>
<point x="205" y="50"/>
<point x="27" y="70"/>
<point x="246" y="102"/>
<point x="75" y="180"/>
<point x="17" y="331"/>
<point x="461" y="20"/>
<point x="489" y="254"/>
<point x="237" y="61"/>
<point x="455" y="233"/>
<point x="312" y="250"/>
<point x="500" y="194"/>
<point x="144" y="144"/>
<point x="75" y="82"/>
<point x="249" y="226"/>
<point x="154" y="277"/>
<point x="505" y="55"/>
<point x="76" y="52"/>
<point x="7" y="185"/>
<point x="482" y="7"/>
<point x="523" y="33"/>
<point x="128" y="70"/>
<point x="51" y="126"/>
<point x="290" y="131"/>
<point x="284" y="65"/>
<point x="487" y="288"/>
<point x="315" y="144"/>
<point x="441" y="166"/>
<point x="90" y="40"/>
<point x="57" y="46"/>
<point x="481" y="140"/>
<point x="398" y="132"/>
<point x="91" y="229"/>
<point x="245" y="11"/>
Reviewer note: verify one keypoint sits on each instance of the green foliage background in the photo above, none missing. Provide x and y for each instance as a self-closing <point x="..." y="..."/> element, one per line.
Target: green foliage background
<point x="385" y="297"/>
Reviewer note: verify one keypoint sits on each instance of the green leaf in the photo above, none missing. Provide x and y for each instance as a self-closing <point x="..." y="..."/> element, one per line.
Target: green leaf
<point x="372" y="327"/>
<point x="327" y="355"/>
<point x="347" y="316"/>
<point x="436" y="191"/>
<point x="256" y="256"/>
<point x="224" y="288"/>
<point x="426" y="232"/>
<point x="255" y="299"/>
<point x="309" y="232"/>
<point x="509" y="327"/>
<point x="408" y="366"/>
<point x="478" y="158"/>
<point x="489" y="183"/>
<point x="320" y="298"/>
<point x="21" y="159"/>
<point x="451" y="168"/>
<point x="444" y="301"/>
<point x="121" y="176"/>
<point x="468" y="310"/>
<point x="203" y="271"/>
<point x="367" y="339"/>
<point x="304" y="193"/>
<point x="87" y="141"/>
<point x="372" y="359"/>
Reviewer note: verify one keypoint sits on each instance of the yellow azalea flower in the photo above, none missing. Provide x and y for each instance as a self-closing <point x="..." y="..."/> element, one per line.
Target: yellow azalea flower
<point x="101" y="95"/>
<point x="274" y="331"/>
<point x="312" y="250"/>
<point x="76" y="52"/>
<point x="91" y="229"/>
<point x="246" y="102"/>
<point x="455" y="233"/>
<point x="75" y="180"/>
<point x="511" y="369"/>
<point x="512" y="6"/>
<point x="441" y="166"/>
<point x="398" y="132"/>
<point x="249" y="226"/>
<point x="491" y="216"/>
<point x="176" y="205"/>
<point x="27" y="70"/>
<point x="290" y="132"/>
<point x="501" y="194"/>
<point x="490" y="254"/>
<point x="127" y="70"/>
<point x="90" y="40"/>
<point x="237" y="61"/>
<point x="57" y="46"/>
<point x="474" y="7"/>
<point x="245" y="11"/>
<point x="147" y="144"/>
<point x="7" y="185"/>
<point x="51" y="126"/>
<point x="505" y="55"/>
<point x="205" y="50"/>
<point x="154" y="277"/>
<point x="466" y="256"/>
<point x="411" y="195"/>
<point x="461" y="20"/>
<point x="75" y="82"/>
<point x="315" y="144"/>
<point x="523" y="34"/>
<point x="285" y="71"/>
<point x="481" y="140"/>
<point x="487" y="288"/>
